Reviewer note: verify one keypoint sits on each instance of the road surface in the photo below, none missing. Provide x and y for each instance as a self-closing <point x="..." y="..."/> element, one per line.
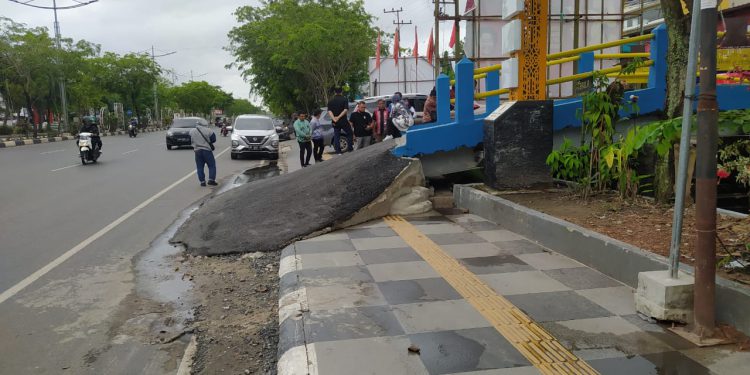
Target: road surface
<point x="69" y="238"/>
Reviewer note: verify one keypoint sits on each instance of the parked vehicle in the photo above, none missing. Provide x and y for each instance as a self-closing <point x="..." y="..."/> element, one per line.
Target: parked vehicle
<point x="254" y="135"/>
<point x="179" y="133"/>
<point x="86" y="148"/>
<point x="283" y="130"/>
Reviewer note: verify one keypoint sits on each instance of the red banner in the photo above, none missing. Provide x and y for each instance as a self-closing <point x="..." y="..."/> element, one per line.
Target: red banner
<point x="377" y="52"/>
<point x="430" y="48"/>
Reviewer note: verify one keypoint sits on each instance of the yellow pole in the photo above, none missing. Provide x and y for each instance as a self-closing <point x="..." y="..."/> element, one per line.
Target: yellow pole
<point x="532" y="58"/>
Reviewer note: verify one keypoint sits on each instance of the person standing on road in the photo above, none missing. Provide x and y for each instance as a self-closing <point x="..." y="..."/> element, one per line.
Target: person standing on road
<point x="202" y="139"/>
<point x="303" y="133"/>
<point x="317" y="136"/>
<point x="380" y="118"/>
<point x="362" y="123"/>
<point x="338" y="107"/>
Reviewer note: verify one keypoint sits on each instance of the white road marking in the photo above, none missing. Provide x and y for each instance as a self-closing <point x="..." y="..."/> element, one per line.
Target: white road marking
<point x="70" y="166"/>
<point x="127" y="152"/>
<point x="50" y="152"/>
<point x="12" y="291"/>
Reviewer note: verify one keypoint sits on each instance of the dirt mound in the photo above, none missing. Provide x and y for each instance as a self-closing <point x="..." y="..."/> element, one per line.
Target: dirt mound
<point x="268" y="214"/>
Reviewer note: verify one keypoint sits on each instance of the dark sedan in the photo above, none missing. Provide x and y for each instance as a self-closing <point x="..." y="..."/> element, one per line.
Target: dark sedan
<point x="179" y="133"/>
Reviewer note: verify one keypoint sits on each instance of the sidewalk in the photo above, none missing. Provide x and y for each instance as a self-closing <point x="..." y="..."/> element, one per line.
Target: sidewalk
<point x="468" y="297"/>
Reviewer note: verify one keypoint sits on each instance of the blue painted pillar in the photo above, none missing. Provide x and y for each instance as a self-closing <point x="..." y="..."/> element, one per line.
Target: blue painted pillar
<point x="492" y="82"/>
<point x="465" y="91"/>
<point x="657" y="76"/>
<point x="443" y="88"/>
<point x="586" y="63"/>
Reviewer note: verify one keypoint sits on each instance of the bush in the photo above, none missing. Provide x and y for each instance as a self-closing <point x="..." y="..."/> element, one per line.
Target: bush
<point x="6" y="130"/>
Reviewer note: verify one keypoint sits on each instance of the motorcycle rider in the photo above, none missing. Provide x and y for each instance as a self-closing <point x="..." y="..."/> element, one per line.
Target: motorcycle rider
<point x="134" y="125"/>
<point x="90" y="126"/>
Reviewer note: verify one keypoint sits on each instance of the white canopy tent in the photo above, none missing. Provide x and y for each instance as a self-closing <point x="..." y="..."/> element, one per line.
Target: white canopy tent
<point x="410" y="75"/>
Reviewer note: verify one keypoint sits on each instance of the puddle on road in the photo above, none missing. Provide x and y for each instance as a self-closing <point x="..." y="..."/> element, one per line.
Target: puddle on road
<point x="258" y="173"/>
<point x="264" y="170"/>
<point x="159" y="276"/>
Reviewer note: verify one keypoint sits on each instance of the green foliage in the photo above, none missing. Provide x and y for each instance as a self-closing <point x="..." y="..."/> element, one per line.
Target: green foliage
<point x="31" y="67"/>
<point x="569" y="163"/>
<point x="605" y="159"/>
<point x="200" y="97"/>
<point x="735" y="159"/>
<point x="242" y="106"/>
<point x="6" y="130"/>
<point x="293" y="52"/>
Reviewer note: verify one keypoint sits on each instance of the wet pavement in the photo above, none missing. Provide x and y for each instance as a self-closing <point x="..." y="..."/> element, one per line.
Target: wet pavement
<point x="440" y="295"/>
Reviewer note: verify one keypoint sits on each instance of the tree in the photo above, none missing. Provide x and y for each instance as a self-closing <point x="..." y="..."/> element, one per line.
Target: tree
<point x="131" y="77"/>
<point x="678" y="29"/>
<point x="200" y="97"/>
<point x="26" y="56"/>
<point x="293" y="61"/>
<point x="242" y="107"/>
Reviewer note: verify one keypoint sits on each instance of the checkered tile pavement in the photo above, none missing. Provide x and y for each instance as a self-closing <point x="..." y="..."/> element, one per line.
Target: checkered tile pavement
<point x="355" y="300"/>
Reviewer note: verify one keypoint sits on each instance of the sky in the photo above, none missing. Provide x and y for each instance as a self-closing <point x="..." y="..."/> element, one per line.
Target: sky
<point x="195" y="29"/>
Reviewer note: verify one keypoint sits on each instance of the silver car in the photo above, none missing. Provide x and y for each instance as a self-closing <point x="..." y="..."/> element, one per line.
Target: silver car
<point x="254" y="135"/>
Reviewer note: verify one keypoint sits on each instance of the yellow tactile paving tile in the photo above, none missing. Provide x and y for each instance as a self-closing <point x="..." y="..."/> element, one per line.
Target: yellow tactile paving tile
<point x="530" y="339"/>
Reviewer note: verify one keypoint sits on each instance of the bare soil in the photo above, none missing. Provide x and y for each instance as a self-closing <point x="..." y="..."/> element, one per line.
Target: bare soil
<point x="236" y="320"/>
<point x="644" y="224"/>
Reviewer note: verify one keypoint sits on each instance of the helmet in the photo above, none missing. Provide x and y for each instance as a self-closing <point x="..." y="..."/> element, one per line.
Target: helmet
<point x="401" y="117"/>
<point x="87" y="120"/>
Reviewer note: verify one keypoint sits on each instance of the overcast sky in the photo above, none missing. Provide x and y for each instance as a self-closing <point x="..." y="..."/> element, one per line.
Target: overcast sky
<point x="195" y="29"/>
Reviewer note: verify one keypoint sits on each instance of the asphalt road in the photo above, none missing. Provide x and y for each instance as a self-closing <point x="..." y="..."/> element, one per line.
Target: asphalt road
<point x="69" y="236"/>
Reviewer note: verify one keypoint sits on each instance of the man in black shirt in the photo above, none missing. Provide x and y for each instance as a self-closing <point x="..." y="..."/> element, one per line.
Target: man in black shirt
<point x="362" y="123"/>
<point x="338" y="107"/>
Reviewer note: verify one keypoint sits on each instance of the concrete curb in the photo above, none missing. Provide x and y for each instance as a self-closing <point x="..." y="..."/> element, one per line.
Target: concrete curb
<point x="611" y="257"/>
<point x="295" y="354"/>
<point x="23" y="142"/>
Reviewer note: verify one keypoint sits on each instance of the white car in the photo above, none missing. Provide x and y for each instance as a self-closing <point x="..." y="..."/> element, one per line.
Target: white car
<point x="254" y="135"/>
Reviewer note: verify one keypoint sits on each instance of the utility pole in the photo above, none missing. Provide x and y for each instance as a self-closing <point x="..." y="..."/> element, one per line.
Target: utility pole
<point x="157" y="115"/>
<point x="705" y="178"/>
<point x="398" y="24"/>
<point x="436" y="50"/>
<point x="54" y="8"/>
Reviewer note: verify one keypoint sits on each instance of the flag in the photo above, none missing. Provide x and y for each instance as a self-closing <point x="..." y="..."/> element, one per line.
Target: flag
<point x="453" y="36"/>
<point x="470" y="5"/>
<point x="415" y="51"/>
<point x="430" y="48"/>
<point x="377" y="53"/>
<point x="395" y="47"/>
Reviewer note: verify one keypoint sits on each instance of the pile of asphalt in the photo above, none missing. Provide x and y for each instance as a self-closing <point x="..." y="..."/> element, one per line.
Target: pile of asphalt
<point x="268" y="214"/>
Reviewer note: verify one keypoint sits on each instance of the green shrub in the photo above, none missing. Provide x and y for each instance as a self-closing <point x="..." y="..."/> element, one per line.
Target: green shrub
<point x="6" y="130"/>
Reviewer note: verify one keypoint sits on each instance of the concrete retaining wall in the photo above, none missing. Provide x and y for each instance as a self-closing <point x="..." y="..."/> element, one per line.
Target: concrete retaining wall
<point x="611" y="257"/>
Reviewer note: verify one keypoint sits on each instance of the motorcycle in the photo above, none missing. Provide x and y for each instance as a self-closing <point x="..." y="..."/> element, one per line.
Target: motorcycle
<point x="224" y="131"/>
<point x="132" y="131"/>
<point x="88" y="152"/>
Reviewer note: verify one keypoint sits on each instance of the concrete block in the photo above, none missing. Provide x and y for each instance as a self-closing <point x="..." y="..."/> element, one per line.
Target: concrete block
<point x="412" y="201"/>
<point x="517" y="140"/>
<point x="664" y="298"/>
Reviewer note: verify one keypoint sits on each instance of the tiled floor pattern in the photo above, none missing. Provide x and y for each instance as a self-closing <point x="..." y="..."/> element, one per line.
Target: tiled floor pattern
<point x="366" y="296"/>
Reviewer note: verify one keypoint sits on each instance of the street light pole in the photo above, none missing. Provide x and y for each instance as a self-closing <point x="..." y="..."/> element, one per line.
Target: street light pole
<point x="156" y="96"/>
<point x="63" y="96"/>
<point x="54" y="8"/>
